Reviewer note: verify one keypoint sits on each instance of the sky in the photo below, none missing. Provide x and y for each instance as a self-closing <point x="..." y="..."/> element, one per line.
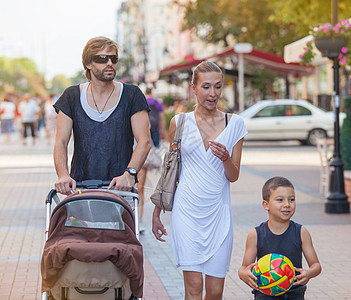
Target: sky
<point x="54" y="32"/>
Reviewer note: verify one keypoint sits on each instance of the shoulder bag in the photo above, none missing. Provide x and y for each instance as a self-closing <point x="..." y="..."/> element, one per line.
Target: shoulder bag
<point x="166" y="186"/>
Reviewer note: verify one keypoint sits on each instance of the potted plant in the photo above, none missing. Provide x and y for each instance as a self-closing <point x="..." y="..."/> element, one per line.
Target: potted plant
<point x="331" y="41"/>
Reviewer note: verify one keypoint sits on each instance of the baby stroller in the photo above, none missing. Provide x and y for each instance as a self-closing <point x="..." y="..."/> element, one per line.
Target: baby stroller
<point x="92" y="248"/>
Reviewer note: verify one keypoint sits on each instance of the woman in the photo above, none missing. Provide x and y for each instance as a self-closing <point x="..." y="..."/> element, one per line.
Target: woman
<point x="202" y="230"/>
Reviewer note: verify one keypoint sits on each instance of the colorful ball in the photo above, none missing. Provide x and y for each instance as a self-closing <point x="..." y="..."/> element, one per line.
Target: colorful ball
<point x="275" y="274"/>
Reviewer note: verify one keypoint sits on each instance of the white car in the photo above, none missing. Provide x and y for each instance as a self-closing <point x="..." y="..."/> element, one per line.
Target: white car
<point x="287" y="119"/>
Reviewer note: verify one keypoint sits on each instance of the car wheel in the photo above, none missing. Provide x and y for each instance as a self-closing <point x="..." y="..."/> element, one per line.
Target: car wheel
<point x="316" y="134"/>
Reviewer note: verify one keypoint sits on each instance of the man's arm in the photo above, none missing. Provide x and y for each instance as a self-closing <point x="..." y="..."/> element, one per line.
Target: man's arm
<point x="64" y="182"/>
<point x="141" y="132"/>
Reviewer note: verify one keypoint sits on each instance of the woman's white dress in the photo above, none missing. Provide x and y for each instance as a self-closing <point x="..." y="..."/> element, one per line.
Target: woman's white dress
<point x="201" y="226"/>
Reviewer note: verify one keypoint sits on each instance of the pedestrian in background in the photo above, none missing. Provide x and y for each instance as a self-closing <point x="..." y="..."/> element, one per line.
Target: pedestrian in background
<point x="157" y="132"/>
<point x="283" y="236"/>
<point x="105" y="116"/>
<point x="7" y="116"/>
<point x="156" y="118"/>
<point x="28" y="109"/>
<point x="50" y="118"/>
<point x="201" y="220"/>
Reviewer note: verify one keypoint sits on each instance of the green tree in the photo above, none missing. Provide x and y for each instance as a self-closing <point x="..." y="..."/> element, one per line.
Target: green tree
<point x="59" y="83"/>
<point x="266" y="24"/>
<point x="20" y="75"/>
<point x="305" y="13"/>
<point x="79" y="77"/>
<point x="209" y="21"/>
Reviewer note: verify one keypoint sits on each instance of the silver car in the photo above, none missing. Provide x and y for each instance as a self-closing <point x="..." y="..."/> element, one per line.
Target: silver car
<point x="287" y="119"/>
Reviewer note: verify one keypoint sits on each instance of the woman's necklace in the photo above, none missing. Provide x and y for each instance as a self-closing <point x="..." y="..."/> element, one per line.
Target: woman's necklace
<point x="100" y="112"/>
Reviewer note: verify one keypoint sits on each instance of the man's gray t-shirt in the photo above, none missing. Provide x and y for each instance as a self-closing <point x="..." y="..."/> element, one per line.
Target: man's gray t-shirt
<point x="102" y="150"/>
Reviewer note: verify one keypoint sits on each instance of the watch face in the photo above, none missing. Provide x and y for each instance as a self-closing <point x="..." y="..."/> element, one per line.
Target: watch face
<point x="132" y="171"/>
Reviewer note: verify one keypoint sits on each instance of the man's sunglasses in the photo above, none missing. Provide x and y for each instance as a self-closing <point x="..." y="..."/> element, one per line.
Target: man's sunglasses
<point x="103" y="58"/>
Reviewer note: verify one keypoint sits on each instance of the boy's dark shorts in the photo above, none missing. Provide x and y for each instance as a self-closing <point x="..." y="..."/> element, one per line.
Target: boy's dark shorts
<point x="297" y="293"/>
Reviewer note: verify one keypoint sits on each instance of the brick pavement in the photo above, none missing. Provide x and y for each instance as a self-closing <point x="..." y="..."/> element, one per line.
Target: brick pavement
<point x="27" y="174"/>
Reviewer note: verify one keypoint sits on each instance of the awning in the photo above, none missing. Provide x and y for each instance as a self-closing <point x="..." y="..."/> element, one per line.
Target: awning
<point x="183" y="66"/>
<point x="269" y="60"/>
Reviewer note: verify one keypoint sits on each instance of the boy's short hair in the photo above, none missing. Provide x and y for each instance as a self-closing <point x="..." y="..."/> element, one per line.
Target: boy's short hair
<point x="272" y="184"/>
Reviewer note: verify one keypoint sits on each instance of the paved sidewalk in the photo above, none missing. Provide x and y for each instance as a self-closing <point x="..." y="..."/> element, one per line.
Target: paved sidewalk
<point x="27" y="174"/>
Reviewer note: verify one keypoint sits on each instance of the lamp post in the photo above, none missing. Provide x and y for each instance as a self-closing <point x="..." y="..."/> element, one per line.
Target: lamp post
<point x="241" y="48"/>
<point x="337" y="199"/>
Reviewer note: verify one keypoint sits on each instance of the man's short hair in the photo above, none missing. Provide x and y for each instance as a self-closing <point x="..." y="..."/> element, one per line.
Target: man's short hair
<point x="272" y="184"/>
<point x="92" y="47"/>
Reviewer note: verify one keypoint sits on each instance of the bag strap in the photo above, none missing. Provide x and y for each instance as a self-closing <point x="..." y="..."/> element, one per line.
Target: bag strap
<point x="179" y="128"/>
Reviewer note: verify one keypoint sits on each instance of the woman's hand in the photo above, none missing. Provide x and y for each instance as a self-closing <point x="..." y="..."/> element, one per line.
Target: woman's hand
<point x="157" y="227"/>
<point x="219" y="150"/>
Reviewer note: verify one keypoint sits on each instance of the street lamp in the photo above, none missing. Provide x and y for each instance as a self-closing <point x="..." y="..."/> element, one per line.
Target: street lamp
<point x="241" y="48"/>
<point x="337" y="199"/>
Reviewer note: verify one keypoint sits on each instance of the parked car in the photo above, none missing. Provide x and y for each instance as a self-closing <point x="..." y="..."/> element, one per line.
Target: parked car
<point x="287" y="119"/>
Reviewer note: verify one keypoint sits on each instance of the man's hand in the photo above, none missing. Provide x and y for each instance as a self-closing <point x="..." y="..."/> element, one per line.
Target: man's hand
<point x="124" y="182"/>
<point x="65" y="185"/>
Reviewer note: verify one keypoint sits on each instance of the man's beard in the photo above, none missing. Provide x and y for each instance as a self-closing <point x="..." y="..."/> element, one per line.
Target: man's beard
<point x="100" y="75"/>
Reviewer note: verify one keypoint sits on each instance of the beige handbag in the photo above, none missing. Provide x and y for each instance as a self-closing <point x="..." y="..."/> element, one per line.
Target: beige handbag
<point x="166" y="186"/>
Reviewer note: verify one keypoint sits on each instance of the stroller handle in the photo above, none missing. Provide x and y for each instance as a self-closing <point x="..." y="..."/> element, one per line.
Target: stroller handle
<point x="90" y="184"/>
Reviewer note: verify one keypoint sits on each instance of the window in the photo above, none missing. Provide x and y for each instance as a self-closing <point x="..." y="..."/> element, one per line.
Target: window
<point x="298" y="110"/>
<point x="271" y="111"/>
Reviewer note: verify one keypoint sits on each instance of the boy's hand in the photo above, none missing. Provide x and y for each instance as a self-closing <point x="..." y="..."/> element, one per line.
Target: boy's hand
<point x="246" y="275"/>
<point x="302" y="278"/>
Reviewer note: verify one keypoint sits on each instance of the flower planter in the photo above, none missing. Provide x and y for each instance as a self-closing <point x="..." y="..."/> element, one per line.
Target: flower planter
<point x="330" y="46"/>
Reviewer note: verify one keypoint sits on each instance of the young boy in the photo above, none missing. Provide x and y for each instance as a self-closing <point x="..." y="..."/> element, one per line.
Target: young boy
<point x="283" y="236"/>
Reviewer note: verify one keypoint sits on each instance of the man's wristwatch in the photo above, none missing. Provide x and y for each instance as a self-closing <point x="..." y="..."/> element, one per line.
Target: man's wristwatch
<point x="134" y="172"/>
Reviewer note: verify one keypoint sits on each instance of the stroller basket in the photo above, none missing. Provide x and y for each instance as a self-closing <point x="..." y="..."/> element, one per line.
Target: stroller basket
<point x="92" y="249"/>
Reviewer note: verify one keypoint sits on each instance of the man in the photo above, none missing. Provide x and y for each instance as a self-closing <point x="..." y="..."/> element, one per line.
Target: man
<point x="105" y="116"/>
<point x="156" y="117"/>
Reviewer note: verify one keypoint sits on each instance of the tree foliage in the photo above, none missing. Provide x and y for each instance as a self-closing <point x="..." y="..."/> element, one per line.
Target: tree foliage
<point x="266" y="24"/>
<point x="207" y="19"/>
<point x="59" y="83"/>
<point x="20" y="75"/>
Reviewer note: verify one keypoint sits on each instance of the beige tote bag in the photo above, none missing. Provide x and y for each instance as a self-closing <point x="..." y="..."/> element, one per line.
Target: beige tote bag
<point x="166" y="186"/>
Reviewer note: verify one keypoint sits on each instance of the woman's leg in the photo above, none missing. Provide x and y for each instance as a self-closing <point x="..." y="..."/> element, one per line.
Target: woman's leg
<point x="193" y="283"/>
<point x="214" y="288"/>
